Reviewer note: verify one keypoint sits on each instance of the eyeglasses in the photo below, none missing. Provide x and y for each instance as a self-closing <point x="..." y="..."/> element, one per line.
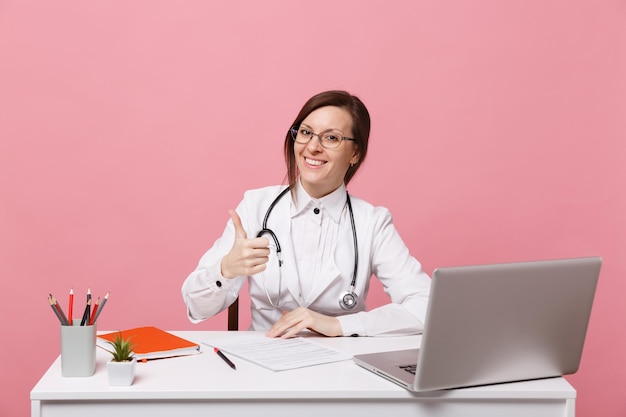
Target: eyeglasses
<point x="329" y="139"/>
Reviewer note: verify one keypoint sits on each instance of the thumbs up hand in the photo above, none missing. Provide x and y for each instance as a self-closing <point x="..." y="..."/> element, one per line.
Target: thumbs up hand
<point x="247" y="256"/>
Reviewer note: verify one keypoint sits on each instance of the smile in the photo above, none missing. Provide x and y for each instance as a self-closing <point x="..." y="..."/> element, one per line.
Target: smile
<point x="314" y="162"/>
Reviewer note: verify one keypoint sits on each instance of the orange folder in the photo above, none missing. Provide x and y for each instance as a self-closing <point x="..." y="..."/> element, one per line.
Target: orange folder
<point x="151" y="343"/>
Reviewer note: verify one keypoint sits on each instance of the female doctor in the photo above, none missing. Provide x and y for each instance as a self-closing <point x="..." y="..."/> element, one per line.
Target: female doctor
<point x="309" y="249"/>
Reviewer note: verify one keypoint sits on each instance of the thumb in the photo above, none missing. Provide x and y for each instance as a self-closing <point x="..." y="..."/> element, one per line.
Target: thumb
<point x="240" y="233"/>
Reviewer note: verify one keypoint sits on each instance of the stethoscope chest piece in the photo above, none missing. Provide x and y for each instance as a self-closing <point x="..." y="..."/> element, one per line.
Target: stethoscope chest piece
<point x="348" y="300"/>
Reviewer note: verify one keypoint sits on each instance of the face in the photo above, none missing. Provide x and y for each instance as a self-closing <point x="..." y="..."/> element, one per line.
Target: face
<point x="322" y="170"/>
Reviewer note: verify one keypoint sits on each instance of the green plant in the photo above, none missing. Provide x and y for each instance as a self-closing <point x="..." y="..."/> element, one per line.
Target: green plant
<point x="122" y="349"/>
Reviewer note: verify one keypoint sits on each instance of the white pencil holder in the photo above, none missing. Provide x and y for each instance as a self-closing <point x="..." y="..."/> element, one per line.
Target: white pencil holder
<point x="78" y="350"/>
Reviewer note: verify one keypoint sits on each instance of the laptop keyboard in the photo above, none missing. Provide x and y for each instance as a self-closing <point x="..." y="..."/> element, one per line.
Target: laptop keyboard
<point x="409" y="368"/>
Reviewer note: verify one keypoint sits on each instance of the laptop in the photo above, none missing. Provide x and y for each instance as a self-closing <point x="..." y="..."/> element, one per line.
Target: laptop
<point x="488" y="324"/>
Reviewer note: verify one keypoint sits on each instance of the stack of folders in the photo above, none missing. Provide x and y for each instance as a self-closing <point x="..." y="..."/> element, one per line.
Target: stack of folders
<point x="151" y="343"/>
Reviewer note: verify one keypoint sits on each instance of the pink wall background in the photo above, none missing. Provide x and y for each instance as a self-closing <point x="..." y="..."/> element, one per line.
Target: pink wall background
<point x="128" y="129"/>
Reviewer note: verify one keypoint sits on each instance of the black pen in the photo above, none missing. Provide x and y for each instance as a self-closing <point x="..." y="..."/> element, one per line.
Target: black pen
<point x="221" y="355"/>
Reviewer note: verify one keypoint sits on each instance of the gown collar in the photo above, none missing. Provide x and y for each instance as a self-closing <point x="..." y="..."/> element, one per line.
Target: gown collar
<point x="332" y="203"/>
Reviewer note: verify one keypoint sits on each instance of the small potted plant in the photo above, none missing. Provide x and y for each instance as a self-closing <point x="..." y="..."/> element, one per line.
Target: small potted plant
<point x="121" y="368"/>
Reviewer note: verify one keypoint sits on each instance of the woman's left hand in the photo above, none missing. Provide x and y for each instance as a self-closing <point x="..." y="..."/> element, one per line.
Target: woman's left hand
<point x="302" y="318"/>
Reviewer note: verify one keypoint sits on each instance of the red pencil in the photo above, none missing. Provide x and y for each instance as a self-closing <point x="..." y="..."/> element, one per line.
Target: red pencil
<point x="104" y="301"/>
<point x="95" y="310"/>
<point x="70" y="309"/>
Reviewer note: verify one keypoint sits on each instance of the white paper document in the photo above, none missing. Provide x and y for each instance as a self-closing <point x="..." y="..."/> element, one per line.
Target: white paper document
<point x="278" y="354"/>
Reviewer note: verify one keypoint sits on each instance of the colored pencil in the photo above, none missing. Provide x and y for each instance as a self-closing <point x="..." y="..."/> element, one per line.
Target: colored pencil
<point x="59" y="310"/>
<point x="104" y="301"/>
<point x="88" y="310"/>
<point x="85" y="318"/>
<point x="56" y="312"/>
<point x="70" y="309"/>
<point x="92" y="319"/>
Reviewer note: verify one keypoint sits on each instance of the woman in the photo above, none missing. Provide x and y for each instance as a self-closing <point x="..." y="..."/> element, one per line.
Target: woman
<point x="309" y="250"/>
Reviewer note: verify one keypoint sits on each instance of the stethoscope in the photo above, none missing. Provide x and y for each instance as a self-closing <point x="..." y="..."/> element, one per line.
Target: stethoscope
<point x="347" y="300"/>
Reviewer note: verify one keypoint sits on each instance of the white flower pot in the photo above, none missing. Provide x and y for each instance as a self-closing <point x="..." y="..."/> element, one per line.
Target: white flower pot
<point x="121" y="373"/>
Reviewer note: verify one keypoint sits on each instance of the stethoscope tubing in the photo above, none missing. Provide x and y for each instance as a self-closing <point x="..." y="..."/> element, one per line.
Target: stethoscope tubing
<point x="348" y="300"/>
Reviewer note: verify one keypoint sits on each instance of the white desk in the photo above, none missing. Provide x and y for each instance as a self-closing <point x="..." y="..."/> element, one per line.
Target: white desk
<point x="203" y="385"/>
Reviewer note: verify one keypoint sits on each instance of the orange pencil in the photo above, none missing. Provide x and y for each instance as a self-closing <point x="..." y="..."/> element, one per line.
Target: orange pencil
<point x="95" y="310"/>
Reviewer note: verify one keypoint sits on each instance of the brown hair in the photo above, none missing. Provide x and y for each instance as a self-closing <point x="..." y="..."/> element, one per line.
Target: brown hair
<point x="360" y="128"/>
